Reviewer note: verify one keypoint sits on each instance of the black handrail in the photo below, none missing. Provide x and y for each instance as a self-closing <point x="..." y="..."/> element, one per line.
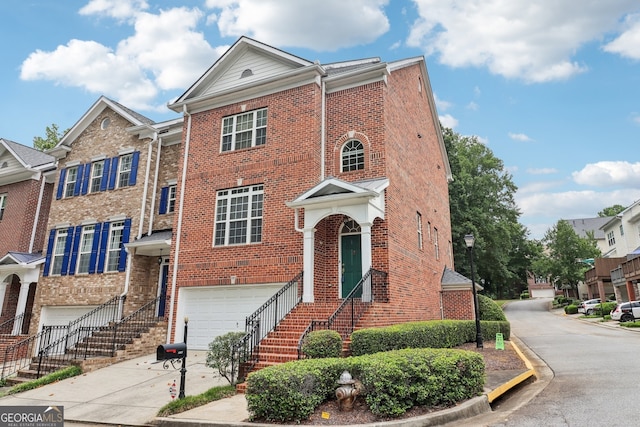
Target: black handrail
<point x="372" y="287"/>
<point x="260" y="323"/>
<point x="7" y="327"/>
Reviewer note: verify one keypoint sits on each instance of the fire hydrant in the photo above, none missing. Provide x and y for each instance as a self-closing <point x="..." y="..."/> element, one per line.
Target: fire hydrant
<point x="346" y="393"/>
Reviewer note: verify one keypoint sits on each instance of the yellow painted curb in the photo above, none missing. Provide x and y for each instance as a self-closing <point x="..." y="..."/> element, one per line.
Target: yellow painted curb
<point x="494" y="394"/>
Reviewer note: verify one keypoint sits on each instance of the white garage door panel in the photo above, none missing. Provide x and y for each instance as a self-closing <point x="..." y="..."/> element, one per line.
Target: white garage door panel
<point x="214" y="311"/>
<point x="62" y="315"/>
<point x="543" y="293"/>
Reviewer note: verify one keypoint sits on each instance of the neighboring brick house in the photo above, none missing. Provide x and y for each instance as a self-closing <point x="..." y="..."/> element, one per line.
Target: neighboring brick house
<point x="26" y="186"/>
<point x="293" y="166"/>
<point x="108" y="232"/>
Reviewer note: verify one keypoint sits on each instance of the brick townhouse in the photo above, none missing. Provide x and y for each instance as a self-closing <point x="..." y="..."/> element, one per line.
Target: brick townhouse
<point x="26" y="187"/>
<point x="109" y="227"/>
<point x="291" y="167"/>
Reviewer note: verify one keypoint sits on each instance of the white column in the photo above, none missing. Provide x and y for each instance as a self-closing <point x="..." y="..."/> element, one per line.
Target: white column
<point x="365" y="242"/>
<point x="21" y="306"/>
<point x="3" y="291"/>
<point x="308" y="256"/>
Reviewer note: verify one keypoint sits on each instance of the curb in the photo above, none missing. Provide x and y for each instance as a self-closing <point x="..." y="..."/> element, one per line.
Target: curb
<point x="501" y="390"/>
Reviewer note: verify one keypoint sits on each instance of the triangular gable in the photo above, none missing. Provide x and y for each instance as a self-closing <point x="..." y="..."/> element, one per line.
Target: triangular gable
<point x="334" y="187"/>
<point x="19" y="162"/>
<point x="22" y="259"/>
<point x="96" y="109"/>
<point x="247" y="63"/>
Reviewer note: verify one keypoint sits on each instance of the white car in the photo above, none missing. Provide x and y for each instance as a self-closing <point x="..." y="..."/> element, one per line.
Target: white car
<point x="588" y="306"/>
<point x="622" y="313"/>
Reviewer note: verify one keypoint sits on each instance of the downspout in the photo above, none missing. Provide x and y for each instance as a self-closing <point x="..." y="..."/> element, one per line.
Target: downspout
<point x="127" y="279"/>
<point x="322" y="131"/>
<point x="37" y="216"/>
<point x="146" y="186"/>
<point x="155" y="187"/>
<point x="176" y="254"/>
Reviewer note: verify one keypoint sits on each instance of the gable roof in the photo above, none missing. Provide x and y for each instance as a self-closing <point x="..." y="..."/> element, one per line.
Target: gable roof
<point x="333" y="189"/>
<point x="27" y="156"/>
<point x="583" y="225"/>
<point x="22" y="258"/>
<point x="19" y="162"/>
<point x="136" y="119"/>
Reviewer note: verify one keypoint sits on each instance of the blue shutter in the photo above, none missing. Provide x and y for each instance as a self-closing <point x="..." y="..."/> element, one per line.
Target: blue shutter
<point x="79" y="175"/>
<point x="134" y="168"/>
<point x="164" y="199"/>
<point x="104" y="240"/>
<point x="105" y="176"/>
<point x="74" y="250"/>
<point x="113" y="173"/>
<point x="94" y="249"/>
<point x="122" y="263"/>
<point x="67" y="251"/>
<point x="86" y="179"/>
<point x="60" y="192"/>
<point x="47" y="260"/>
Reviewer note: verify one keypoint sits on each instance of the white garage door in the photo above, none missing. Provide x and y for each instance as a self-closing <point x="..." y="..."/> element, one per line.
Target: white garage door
<point x="214" y="311"/>
<point x="543" y="293"/>
<point x="63" y="315"/>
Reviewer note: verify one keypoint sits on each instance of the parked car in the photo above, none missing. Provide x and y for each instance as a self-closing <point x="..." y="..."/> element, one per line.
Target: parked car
<point x="588" y="306"/>
<point x="623" y="313"/>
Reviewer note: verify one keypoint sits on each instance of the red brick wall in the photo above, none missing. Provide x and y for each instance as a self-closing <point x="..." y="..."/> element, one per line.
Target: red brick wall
<point x="458" y="305"/>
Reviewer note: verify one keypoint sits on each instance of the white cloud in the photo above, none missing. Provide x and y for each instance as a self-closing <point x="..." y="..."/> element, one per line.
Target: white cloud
<point x="440" y="104"/>
<point x="519" y="137"/>
<point x="532" y="41"/>
<point x="327" y="25"/>
<point x="542" y="171"/>
<point x="627" y="44"/>
<point x="485" y="141"/>
<point x="472" y="106"/>
<point x="165" y="52"/>
<point x="448" y="121"/>
<point x="608" y="174"/>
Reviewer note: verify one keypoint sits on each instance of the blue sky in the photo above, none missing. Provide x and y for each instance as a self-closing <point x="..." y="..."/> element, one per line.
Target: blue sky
<point x="552" y="89"/>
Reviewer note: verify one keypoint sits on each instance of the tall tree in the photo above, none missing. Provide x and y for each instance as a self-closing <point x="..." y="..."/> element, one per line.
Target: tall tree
<point x="53" y="136"/>
<point x="564" y="252"/>
<point x="481" y="198"/>
<point x="611" y="211"/>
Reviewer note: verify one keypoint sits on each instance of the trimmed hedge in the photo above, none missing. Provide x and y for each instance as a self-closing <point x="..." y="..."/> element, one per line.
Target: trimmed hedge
<point x="489" y="309"/>
<point x="393" y="382"/>
<point x="427" y="334"/>
<point x="322" y="343"/>
<point x="571" y="309"/>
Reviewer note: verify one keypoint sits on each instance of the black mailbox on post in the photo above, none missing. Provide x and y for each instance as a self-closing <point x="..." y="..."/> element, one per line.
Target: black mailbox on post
<point x="171" y="351"/>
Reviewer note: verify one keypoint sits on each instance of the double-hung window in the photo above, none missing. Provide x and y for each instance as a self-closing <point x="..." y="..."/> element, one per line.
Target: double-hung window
<point x="114" y="246"/>
<point x="419" y="225"/>
<point x="3" y="204"/>
<point x="84" y="251"/>
<point x="125" y="170"/>
<point x="97" y="171"/>
<point x="171" y="200"/>
<point x="58" y="251"/>
<point x="239" y="216"/>
<point x="244" y="130"/>
<point x="352" y="156"/>
<point x="72" y="177"/>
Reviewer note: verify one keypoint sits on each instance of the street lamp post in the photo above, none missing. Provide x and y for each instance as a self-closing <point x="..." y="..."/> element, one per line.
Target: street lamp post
<point x="470" y="240"/>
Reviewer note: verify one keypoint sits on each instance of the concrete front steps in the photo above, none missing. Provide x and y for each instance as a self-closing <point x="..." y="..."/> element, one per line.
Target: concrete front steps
<point x="131" y="345"/>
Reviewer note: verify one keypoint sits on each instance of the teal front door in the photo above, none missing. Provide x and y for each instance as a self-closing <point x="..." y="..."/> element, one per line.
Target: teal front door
<point x="351" y="263"/>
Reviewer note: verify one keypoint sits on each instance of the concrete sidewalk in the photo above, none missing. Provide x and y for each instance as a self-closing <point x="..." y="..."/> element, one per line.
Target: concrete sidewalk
<point x="132" y="392"/>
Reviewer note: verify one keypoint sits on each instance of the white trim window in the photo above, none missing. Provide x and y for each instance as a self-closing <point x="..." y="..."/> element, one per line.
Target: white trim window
<point x="97" y="170"/>
<point x="124" y="173"/>
<point x="239" y="216"/>
<point x="419" y="224"/>
<point x="116" y="231"/>
<point x="352" y="156"/>
<point x="611" y="238"/>
<point x="70" y="185"/>
<point x="84" y="251"/>
<point x="171" y="199"/>
<point x="58" y="251"/>
<point x="244" y="130"/>
<point x="3" y="205"/>
<point x="436" y="244"/>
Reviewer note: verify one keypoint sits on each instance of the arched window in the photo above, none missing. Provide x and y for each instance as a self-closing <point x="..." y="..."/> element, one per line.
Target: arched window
<point x="352" y="156"/>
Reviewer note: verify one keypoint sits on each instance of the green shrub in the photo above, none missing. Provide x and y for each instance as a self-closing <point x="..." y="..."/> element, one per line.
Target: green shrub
<point x="634" y="324"/>
<point x="571" y="309"/>
<point x="220" y="357"/>
<point x="323" y="343"/>
<point x="489" y="309"/>
<point x="604" y="308"/>
<point x="524" y="295"/>
<point x="428" y="334"/>
<point x="393" y="382"/>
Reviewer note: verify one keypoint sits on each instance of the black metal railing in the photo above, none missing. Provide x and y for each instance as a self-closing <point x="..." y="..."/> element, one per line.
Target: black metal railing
<point x="260" y="323"/>
<point x="8" y="327"/>
<point x="54" y="341"/>
<point x="372" y="287"/>
<point x="134" y="324"/>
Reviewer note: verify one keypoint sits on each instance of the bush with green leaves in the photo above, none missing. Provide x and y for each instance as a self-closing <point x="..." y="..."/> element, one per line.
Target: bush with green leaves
<point x="322" y="343"/>
<point x="393" y="382"/>
<point x="220" y="355"/>
<point x="571" y="309"/>
<point x="427" y="334"/>
<point x="604" y="308"/>
<point x="489" y="309"/>
<point x="524" y="295"/>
